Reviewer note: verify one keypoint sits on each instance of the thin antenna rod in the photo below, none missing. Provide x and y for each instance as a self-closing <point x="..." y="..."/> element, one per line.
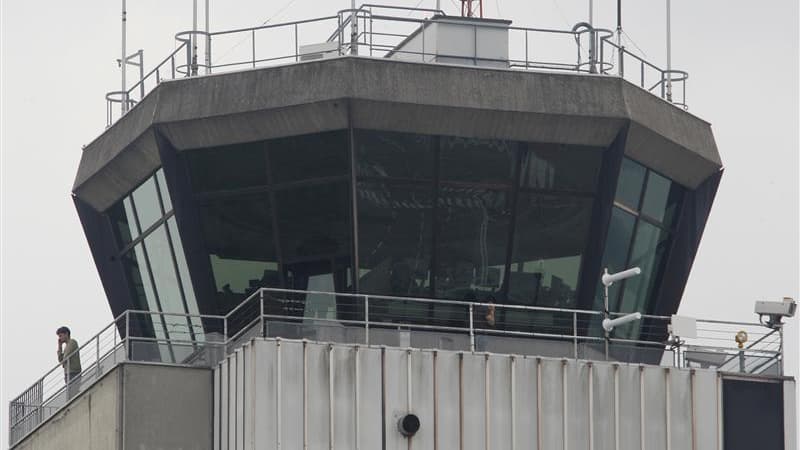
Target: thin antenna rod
<point x="194" y="37"/>
<point x="123" y="63"/>
<point x="208" y="39"/>
<point x="669" y="51"/>
<point x="591" y="12"/>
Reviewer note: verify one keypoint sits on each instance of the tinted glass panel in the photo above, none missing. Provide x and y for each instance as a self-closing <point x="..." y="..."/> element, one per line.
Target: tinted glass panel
<point x="227" y="167"/>
<point x="145" y="199"/>
<point x="649" y="247"/>
<point x="394" y="226"/>
<point x="183" y="273"/>
<point x="314" y="221"/>
<point x="478" y="161"/>
<point x="160" y="256"/>
<point x="472" y="240"/>
<point x="162" y="187"/>
<point x="561" y="167"/>
<point x="550" y="237"/>
<point x="123" y="222"/>
<point x="238" y="234"/>
<point x="629" y="185"/>
<point x="309" y="156"/>
<point x="615" y="256"/>
<point x="661" y="199"/>
<point x="394" y="155"/>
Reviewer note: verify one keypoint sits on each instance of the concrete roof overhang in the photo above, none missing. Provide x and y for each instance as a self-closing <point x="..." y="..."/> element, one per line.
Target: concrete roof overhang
<point x="400" y="96"/>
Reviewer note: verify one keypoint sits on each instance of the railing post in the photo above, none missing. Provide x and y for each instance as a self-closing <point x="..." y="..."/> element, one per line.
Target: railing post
<point x="780" y="350"/>
<point x="97" y="354"/>
<point x="261" y="311"/>
<point x="116" y="330"/>
<point x="253" y="35"/>
<point x="127" y="335"/>
<point x="366" y="319"/>
<point x="575" y="334"/>
<point x="471" y="329"/>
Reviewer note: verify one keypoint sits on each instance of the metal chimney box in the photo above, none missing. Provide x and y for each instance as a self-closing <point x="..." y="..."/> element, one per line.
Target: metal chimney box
<point x="457" y="40"/>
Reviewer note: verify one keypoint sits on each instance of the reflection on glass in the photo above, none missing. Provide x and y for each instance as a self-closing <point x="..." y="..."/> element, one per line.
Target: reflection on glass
<point x="145" y="199"/>
<point x="238" y="235"/>
<point x="166" y="281"/>
<point x="388" y="154"/>
<point x="183" y="273"/>
<point x="227" y="167"/>
<point x="314" y="221"/>
<point x="162" y="187"/>
<point x="123" y="222"/>
<point x="394" y="226"/>
<point x="661" y="199"/>
<point x="615" y="256"/>
<point x="473" y="240"/>
<point x="478" y="160"/>
<point x="629" y="185"/>
<point x="649" y="247"/>
<point x="550" y="238"/>
<point x="561" y="167"/>
<point x="309" y="156"/>
<point x="151" y="301"/>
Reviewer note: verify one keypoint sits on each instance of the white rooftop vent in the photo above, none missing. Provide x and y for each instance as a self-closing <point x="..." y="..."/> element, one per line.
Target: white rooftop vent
<point x="318" y="51"/>
<point x="457" y="40"/>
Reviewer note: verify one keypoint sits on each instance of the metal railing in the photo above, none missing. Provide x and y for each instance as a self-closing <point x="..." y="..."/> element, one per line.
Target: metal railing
<point x="204" y="340"/>
<point x="378" y="31"/>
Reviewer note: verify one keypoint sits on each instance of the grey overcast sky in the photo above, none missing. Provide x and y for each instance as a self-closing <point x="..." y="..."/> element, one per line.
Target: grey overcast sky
<point x="58" y="60"/>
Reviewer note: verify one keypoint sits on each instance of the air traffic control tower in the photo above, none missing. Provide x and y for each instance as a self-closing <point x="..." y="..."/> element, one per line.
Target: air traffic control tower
<point x="388" y="228"/>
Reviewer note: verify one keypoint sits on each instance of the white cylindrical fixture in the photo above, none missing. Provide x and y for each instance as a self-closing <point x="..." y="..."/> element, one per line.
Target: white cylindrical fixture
<point x="610" y="324"/>
<point x="611" y="278"/>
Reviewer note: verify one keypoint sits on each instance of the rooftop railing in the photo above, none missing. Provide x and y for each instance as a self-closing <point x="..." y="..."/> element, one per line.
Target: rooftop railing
<point x="378" y="31"/>
<point x="204" y="340"/>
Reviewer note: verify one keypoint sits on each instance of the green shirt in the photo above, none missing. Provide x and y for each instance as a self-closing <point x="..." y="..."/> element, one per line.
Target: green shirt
<point x="72" y="364"/>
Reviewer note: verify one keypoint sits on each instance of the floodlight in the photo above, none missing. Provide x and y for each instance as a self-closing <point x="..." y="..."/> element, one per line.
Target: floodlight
<point x="611" y="278"/>
<point x="610" y="324"/>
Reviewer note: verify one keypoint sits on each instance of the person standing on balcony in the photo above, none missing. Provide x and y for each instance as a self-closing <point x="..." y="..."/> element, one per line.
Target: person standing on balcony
<point x="70" y="359"/>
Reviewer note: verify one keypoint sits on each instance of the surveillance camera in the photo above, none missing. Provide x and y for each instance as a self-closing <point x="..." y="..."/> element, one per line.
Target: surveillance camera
<point x="776" y="311"/>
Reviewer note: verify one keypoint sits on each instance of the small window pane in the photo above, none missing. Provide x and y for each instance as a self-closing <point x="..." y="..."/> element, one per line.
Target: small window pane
<point x="166" y="280"/>
<point x="661" y="199"/>
<point x="561" y="167"/>
<point x="387" y="154"/>
<point x="550" y="238"/>
<point x="227" y="167"/>
<point x="478" y="161"/>
<point x="309" y="156"/>
<point x="162" y="186"/>
<point x="629" y="186"/>
<point x="144" y="298"/>
<point x="145" y="199"/>
<point x="473" y="241"/>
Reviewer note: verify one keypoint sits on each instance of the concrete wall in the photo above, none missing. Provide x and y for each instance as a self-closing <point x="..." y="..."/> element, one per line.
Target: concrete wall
<point x="90" y="422"/>
<point x="134" y="407"/>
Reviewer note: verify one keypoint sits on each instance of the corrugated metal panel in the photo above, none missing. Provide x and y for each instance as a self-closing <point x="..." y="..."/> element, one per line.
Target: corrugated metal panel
<point x="706" y="414"/>
<point x="526" y="428"/>
<point x="654" y="409"/>
<point x="500" y="402"/>
<point x="448" y="401"/>
<point x="278" y="394"/>
<point x="680" y="409"/>
<point x="551" y="409"/>
<point x="628" y="384"/>
<point x="473" y="400"/>
<point x="603" y="408"/>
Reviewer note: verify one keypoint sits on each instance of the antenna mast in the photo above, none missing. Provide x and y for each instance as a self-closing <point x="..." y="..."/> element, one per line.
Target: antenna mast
<point x="468" y="11"/>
